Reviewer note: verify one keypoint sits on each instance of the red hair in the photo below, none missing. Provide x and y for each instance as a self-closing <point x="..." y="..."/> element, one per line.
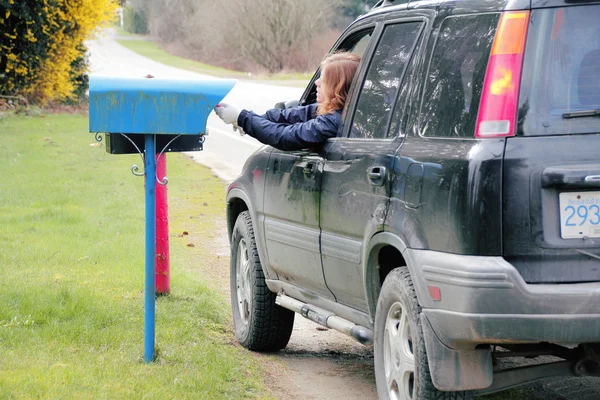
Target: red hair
<point x="337" y="71"/>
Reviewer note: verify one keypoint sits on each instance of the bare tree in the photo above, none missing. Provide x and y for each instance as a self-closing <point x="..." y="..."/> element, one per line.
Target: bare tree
<point x="272" y="34"/>
<point x="269" y="30"/>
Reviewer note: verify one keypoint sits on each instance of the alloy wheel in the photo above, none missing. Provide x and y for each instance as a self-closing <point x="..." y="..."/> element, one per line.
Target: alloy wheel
<point x="243" y="281"/>
<point x="398" y="355"/>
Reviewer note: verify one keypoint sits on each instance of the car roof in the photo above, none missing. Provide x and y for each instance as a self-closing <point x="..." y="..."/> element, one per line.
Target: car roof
<point x="386" y="6"/>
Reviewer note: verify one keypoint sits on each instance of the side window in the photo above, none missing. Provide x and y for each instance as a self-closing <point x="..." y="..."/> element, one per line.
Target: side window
<point x="401" y="111"/>
<point x="379" y="90"/>
<point x="359" y="46"/>
<point x="456" y="74"/>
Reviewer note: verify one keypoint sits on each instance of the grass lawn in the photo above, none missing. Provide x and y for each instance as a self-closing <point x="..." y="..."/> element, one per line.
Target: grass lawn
<point x="149" y="49"/>
<point x="122" y="32"/>
<point x="72" y="267"/>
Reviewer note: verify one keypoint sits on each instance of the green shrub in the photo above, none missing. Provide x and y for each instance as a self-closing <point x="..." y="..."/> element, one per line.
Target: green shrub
<point x="134" y="21"/>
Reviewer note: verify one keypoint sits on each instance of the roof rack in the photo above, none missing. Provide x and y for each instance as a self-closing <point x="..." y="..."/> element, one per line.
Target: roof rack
<point x="386" y="3"/>
<point x="382" y="3"/>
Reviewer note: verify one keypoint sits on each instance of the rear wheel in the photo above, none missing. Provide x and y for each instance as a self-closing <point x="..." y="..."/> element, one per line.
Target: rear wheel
<point x="401" y="368"/>
<point x="259" y="323"/>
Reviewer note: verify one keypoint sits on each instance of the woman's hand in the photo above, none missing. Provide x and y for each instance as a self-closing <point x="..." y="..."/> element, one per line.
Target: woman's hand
<point x="228" y="113"/>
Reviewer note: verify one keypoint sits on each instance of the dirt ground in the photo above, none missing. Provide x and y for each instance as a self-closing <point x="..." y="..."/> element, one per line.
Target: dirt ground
<point x="322" y="365"/>
<point x="318" y="363"/>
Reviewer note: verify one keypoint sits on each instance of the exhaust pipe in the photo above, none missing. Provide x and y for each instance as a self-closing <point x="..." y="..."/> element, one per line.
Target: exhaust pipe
<point x="587" y="368"/>
<point x="327" y="319"/>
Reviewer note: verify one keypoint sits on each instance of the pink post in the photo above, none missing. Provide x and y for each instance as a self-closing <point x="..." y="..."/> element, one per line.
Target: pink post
<point x="163" y="277"/>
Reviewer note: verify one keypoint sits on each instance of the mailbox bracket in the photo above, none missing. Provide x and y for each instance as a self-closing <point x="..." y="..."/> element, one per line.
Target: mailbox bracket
<point x="116" y="143"/>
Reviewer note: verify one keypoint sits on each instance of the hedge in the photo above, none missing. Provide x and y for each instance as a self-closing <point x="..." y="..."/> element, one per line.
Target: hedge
<point x="42" y="51"/>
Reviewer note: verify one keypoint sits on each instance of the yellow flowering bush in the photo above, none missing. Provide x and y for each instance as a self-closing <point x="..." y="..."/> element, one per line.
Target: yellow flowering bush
<point x="42" y="51"/>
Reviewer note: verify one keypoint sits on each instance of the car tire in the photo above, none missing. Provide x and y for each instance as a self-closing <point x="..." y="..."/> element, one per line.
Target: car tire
<point x="259" y="323"/>
<point x="401" y="367"/>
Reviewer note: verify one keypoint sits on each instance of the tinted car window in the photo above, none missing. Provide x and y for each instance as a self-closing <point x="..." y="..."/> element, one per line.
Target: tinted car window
<point x="384" y="75"/>
<point x="400" y="115"/>
<point x="561" y="72"/>
<point x="456" y="74"/>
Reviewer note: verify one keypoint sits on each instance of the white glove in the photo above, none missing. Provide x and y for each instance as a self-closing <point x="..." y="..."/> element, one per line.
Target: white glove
<point x="228" y="113"/>
<point x="238" y="129"/>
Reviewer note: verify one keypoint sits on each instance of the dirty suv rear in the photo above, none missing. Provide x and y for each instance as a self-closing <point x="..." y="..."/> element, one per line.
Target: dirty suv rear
<point x="455" y="220"/>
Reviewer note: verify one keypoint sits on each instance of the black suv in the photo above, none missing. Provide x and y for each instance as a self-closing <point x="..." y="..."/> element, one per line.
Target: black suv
<point x="455" y="220"/>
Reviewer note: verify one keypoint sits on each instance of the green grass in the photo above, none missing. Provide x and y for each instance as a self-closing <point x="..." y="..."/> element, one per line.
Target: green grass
<point x="122" y="32"/>
<point x="72" y="262"/>
<point x="149" y="49"/>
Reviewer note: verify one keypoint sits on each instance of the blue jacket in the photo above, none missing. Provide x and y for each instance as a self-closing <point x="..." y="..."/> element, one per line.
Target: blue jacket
<point x="291" y="129"/>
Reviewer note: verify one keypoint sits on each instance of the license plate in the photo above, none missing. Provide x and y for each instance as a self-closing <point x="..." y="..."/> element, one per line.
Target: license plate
<point x="579" y="214"/>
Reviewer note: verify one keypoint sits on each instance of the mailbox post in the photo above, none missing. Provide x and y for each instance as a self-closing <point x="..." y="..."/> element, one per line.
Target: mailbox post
<point x="163" y="276"/>
<point x="151" y="116"/>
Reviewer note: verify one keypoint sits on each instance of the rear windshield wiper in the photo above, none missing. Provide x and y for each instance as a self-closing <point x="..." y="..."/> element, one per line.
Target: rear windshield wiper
<point x="581" y="114"/>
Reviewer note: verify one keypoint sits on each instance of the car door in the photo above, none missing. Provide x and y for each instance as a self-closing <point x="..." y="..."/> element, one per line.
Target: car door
<point x="356" y="184"/>
<point x="292" y="198"/>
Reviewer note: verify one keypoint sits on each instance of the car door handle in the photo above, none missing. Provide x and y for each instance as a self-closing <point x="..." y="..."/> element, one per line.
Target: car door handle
<point x="592" y="178"/>
<point x="309" y="170"/>
<point x="571" y="177"/>
<point x="377" y="175"/>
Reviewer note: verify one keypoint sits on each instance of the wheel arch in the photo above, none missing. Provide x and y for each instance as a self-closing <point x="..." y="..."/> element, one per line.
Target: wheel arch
<point x="384" y="253"/>
<point x="237" y="203"/>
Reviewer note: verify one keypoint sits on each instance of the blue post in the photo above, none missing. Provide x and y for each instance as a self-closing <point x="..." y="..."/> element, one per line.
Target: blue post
<point x="149" y="293"/>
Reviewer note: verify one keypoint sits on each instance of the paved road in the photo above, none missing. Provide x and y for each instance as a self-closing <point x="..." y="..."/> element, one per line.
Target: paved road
<point x="225" y="151"/>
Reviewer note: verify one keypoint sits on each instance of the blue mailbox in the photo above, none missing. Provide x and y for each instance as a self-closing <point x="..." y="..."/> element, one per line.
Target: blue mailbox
<point x="144" y="115"/>
<point x="174" y="110"/>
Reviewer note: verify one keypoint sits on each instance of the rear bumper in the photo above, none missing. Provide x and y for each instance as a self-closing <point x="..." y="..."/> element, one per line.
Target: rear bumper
<point x="485" y="300"/>
<point x="458" y="330"/>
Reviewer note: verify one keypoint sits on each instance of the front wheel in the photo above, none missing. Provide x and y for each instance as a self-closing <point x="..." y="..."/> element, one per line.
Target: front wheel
<point x="259" y="323"/>
<point x="401" y="368"/>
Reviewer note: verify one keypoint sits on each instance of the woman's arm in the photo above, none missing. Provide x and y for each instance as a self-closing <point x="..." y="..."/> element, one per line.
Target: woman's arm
<point x="285" y="136"/>
<point x="291" y="115"/>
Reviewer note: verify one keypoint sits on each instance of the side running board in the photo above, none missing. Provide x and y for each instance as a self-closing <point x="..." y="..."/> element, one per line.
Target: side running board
<point x="327" y="319"/>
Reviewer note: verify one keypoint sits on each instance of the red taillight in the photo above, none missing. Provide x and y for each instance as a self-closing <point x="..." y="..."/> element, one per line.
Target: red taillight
<point x="500" y="96"/>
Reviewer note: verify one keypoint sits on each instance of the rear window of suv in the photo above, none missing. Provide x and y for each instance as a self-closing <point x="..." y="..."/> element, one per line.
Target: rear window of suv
<point x="560" y="86"/>
<point x="456" y="74"/>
